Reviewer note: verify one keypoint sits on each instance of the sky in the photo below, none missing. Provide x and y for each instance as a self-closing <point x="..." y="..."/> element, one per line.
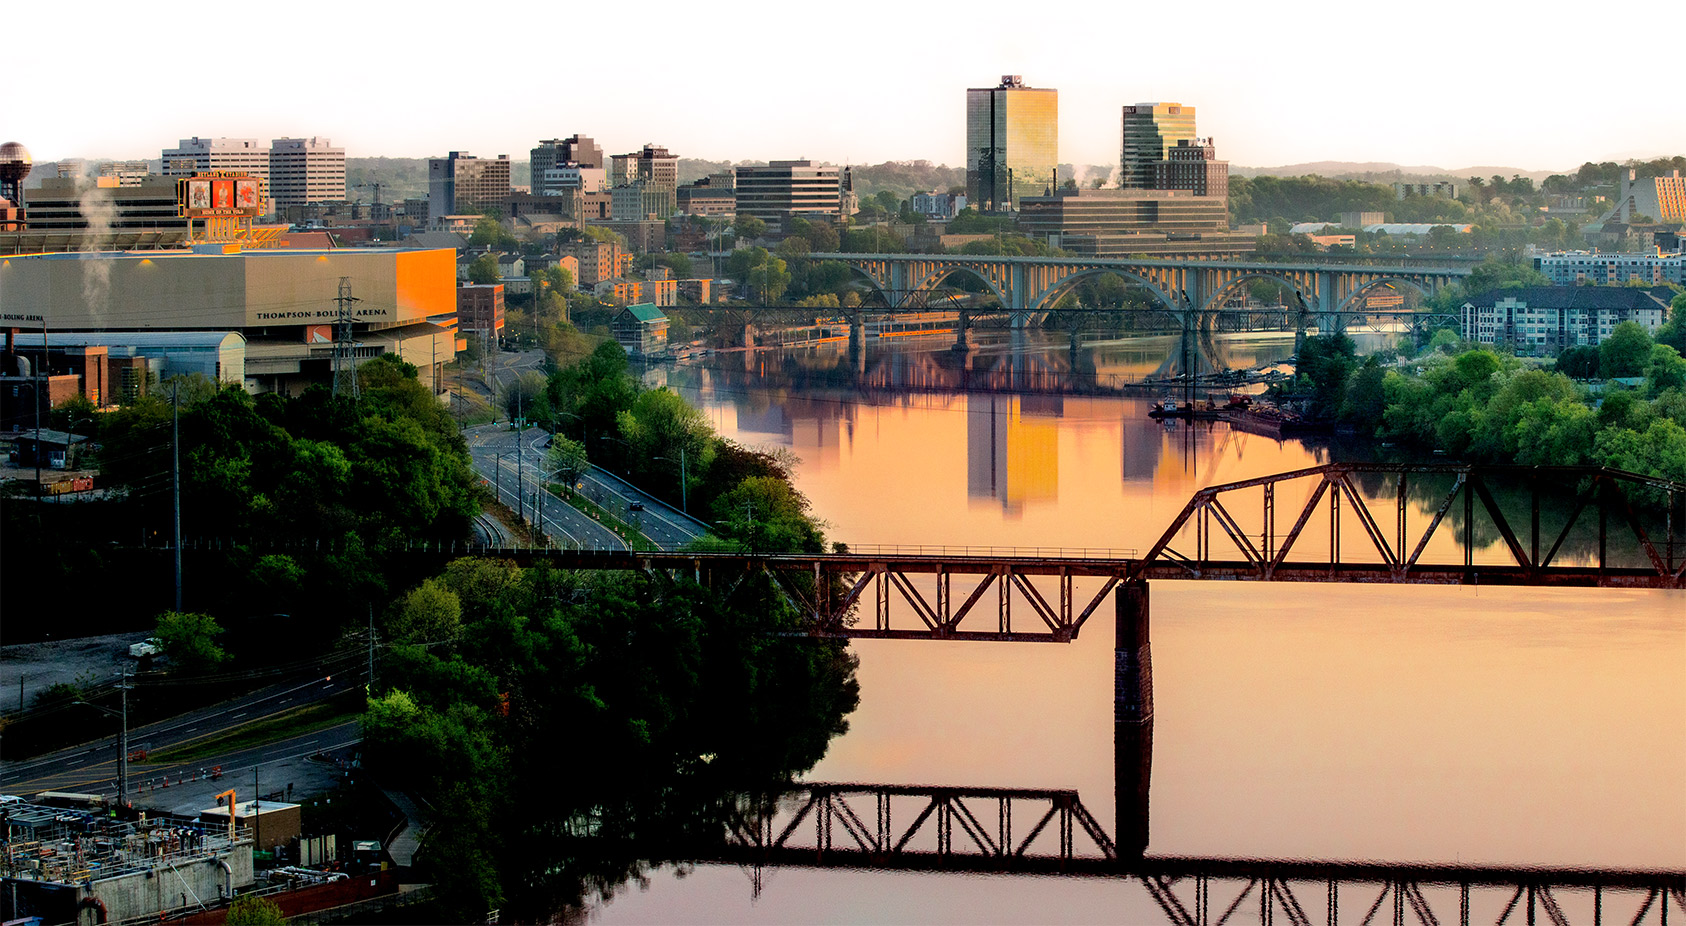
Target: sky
<point x="1449" y="84"/>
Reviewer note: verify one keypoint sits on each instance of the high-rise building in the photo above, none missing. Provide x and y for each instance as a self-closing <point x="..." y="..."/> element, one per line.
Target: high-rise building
<point x="1193" y="165"/>
<point x="1151" y="130"/>
<point x="651" y="164"/>
<point x="551" y="153"/>
<point x="1012" y="143"/>
<point x="305" y="170"/>
<point x="200" y="154"/>
<point x="655" y="174"/>
<point x="788" y="189"/>
<point x="461" y="183"/>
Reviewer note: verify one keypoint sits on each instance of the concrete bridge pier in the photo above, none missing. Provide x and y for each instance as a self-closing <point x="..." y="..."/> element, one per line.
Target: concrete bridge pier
<point x="963" y="335"/>
<point x="749" y="334"/>
<point x="1132" y="726"/>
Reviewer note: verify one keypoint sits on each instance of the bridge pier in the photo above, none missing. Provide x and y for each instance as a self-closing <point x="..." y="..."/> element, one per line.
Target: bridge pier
<point x="963" y="334"/>
<point x="1132" y="720"/>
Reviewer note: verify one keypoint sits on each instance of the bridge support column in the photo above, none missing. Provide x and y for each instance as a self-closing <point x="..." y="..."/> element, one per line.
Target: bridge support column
<point x="857" y="345"/>
<point x="1132" y="728"/>
<point x="963" y="334"/>
<point x="749" y="334"/>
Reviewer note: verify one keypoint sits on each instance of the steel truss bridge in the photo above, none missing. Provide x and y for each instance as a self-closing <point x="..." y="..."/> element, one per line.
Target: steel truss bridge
<point x="1014" y="831"/>
<point x="1225" y="532"/>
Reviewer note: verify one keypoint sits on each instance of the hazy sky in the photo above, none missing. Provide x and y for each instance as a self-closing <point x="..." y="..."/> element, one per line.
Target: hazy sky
<point x="1451" y="84"/>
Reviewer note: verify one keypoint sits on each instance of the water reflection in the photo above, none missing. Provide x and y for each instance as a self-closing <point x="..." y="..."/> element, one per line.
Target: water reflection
<point x="1506" y="728"/>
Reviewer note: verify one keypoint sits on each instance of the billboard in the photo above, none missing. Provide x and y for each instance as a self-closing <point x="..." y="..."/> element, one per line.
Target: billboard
<point x="319" y="334"/>
<point x="218" y="196"/>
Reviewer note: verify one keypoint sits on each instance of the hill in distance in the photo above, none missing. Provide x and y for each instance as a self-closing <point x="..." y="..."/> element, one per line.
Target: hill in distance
<point x="1387" y="172"/>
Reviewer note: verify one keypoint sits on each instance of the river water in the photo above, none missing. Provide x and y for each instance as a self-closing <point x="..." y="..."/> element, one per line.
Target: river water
<point x="1522" y="727"/>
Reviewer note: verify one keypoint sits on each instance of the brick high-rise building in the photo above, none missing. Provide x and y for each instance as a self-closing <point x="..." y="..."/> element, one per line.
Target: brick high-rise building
<point x="1151" y="130"/>
<point x="461" y="183"/>
<point x="305" y="170"/>
<point x="1193" y="165"/>
<point x="1012" y="143"/>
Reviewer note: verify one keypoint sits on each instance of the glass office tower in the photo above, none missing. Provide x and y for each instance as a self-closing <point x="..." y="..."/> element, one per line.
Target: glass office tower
<point x="1012" y="144"/>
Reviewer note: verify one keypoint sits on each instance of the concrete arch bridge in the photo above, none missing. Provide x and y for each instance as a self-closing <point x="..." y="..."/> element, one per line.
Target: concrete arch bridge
<point x="1029" y="285"/>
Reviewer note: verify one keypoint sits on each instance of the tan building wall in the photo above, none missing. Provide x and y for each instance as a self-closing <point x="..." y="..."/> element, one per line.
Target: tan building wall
<point x="228" y="291"/>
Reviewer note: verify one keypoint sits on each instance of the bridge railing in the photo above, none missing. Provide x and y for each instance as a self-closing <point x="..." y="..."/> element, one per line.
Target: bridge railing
<point x="949" y="551"/>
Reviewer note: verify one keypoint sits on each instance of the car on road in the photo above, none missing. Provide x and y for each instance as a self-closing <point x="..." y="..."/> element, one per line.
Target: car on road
<point x="635" y="506"/>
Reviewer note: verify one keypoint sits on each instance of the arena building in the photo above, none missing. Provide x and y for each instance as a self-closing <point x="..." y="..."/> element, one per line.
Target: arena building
<point x="282" y="303"/>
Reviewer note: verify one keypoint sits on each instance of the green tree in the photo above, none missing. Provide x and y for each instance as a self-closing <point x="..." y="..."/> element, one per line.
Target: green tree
<point x="189" y="639"/>
<point x="568" y="458"/>
<point x="483" y="270"/>
<point x="428" y="612"/>
<point x="770" y="280"/>
<point x="525" y="396"/>
<point x="767" y="515"/>
<point x="1625" y="352"/>
<point x="747" y="227"/>
<point x="1664" y="369"/>
<point x="1366" y="401"/>
<point x="252" y="910"/>
<point x="490" y="233"/>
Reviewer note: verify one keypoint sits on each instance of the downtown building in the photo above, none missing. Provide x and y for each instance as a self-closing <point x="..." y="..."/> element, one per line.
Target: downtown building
<point x="784" y="190"/>
<point x="578" y="151"/>
<point x="1127" y="223"/>
<point x="197" y="155"/>
<point x="1192" y="165"/>
<point x="460" y="183"/>
<point x="304" y="171"/>
<point x="1151" y="131"/>
<point x="1012" y="143"/>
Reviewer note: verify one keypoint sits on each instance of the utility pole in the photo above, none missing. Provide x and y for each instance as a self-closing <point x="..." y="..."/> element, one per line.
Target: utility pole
<point x="520" y="458"/>
<point x="123" y="744"/>
<point x="175" y="474"/>
<point x="345" y="356"/>
<point x="371" y="686"/>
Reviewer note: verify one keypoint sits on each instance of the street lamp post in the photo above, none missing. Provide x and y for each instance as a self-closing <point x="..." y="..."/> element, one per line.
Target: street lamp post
<point x="684" y="494"/>
<point x="122" y="740"/>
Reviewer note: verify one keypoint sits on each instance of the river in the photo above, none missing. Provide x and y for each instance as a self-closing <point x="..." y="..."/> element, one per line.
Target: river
<point x="1523" y="727"/>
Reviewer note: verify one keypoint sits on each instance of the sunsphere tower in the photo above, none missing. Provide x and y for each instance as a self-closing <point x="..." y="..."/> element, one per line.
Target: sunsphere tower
<point x="1012" y="143"/>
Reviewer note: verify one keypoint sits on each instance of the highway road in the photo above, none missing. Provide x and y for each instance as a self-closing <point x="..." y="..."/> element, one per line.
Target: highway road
<point x="92" y="766"/>
<point x="494" y="449"/>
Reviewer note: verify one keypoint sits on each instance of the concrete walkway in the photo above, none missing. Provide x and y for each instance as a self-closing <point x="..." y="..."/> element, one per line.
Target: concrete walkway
<point x="404" y="845"/>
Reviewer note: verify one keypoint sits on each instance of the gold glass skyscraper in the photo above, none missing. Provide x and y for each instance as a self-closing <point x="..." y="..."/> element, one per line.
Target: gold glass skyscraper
<point x="1150" y="131"/>
<point x="1012" y="143"/>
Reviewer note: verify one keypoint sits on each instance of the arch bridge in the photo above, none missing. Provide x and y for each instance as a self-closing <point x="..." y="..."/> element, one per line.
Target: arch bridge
<point x="1034" y="284"/>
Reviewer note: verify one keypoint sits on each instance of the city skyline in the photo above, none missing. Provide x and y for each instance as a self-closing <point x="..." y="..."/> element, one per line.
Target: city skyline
<point x="1311" y="82"/>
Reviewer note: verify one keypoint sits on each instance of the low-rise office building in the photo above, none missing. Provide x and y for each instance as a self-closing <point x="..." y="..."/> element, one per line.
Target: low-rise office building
<point x="1123" y="223"/>
<point x="784" y="190"/>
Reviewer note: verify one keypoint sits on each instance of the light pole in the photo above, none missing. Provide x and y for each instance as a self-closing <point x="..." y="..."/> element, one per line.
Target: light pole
<point x="122" y="740"/>
<point x="684" y="495"/>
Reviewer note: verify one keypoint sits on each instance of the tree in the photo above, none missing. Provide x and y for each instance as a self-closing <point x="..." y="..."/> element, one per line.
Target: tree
<point x="490" y="233"/>
<point x="525" y="397"/>
<point x="1625" y="351"/>
<point x="1664" y="369"/>
<point x="189" y="640"/>
<point x="770" y="280"/>
<point x="252" y="910"/>
<point x="1365" y="400"/>
<point x="747" y="227"/>
<point x="426" y="613"/>
<point x="567" y="457"/>
<point x="767" y="514"/>
<point x="484" y="270"/>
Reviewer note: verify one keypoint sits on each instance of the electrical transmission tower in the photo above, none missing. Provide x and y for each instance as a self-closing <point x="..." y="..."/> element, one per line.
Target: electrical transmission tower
<point x="345" y="358"/>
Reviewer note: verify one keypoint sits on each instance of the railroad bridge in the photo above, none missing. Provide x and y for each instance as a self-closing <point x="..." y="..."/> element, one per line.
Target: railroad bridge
<point x="1034" y="284"/>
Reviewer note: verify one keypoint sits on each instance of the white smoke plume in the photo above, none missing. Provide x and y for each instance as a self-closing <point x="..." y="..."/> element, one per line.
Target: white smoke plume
<point x="98" y="210"/>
